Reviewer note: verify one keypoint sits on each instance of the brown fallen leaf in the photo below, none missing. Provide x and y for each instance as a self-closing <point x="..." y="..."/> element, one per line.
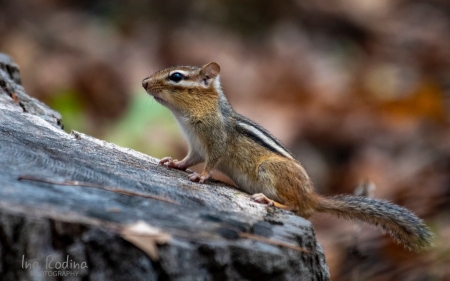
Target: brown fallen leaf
<point x="145" y="237"/>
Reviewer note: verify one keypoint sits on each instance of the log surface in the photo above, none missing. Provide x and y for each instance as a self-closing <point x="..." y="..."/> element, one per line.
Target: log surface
<point x="59" y="199"/>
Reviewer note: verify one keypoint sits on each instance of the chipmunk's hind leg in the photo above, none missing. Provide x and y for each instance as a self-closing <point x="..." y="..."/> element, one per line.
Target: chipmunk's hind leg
<point x="285" y="185"/>
<point x="267" y="192"/>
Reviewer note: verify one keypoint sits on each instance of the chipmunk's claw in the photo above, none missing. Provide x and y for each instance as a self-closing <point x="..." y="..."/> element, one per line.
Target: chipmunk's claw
<point x="173" y="163"/>
<point x="196" y="177"/>
<point x="165" y="160"/>
<point x="262" y="199"/>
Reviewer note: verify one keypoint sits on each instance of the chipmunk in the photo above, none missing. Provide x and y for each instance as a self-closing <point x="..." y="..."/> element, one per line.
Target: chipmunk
<point x="257" y="162"/>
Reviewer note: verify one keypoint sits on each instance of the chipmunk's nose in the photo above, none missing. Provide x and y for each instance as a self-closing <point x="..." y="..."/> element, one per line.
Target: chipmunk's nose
<point x="144" y="84"/>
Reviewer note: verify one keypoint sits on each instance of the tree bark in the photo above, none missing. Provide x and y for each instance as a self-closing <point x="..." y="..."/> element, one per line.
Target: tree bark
<point x="73" y="198"/>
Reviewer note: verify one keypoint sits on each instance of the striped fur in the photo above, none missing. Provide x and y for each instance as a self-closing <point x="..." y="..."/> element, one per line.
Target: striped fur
<point x="261" y="136"/>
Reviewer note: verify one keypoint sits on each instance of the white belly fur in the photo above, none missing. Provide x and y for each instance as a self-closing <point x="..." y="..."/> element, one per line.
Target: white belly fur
<point x="190" y="135"/>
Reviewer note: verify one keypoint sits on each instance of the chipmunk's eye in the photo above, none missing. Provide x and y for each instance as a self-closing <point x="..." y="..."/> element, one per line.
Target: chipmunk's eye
<point x="176" y="77"/>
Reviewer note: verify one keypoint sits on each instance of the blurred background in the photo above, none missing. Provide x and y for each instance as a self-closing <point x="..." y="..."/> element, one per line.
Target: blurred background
<point x="358" y="90"/>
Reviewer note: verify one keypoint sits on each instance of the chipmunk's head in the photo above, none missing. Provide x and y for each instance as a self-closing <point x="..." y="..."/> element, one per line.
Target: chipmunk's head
<point x="185" y="88"/>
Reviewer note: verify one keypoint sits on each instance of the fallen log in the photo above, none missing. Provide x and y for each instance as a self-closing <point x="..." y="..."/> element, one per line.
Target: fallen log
<point x="79" y="208"/>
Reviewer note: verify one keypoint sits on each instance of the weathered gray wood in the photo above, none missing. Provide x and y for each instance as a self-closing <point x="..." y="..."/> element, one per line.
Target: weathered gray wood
<point x="205" y="222"/>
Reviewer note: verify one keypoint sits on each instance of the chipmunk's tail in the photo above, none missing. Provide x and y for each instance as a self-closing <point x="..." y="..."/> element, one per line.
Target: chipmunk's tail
<point x="401" y="224"/>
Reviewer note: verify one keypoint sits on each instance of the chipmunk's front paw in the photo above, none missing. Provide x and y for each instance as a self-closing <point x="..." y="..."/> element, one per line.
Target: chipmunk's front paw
<point x="167" y="161"/>
<point x="200" y="178"/>
<point x="262" y="199"/>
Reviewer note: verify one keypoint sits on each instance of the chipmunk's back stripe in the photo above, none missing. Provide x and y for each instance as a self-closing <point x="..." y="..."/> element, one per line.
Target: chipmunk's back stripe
<point x="263" y="138"/>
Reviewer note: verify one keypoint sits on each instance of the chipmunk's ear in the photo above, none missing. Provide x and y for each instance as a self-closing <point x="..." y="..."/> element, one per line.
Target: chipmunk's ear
<point x="210" y="71"/>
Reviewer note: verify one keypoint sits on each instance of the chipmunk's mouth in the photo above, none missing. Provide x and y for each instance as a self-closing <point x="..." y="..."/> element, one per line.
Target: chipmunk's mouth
<point x="155" y="95"/>
<point x="159" y="99"/>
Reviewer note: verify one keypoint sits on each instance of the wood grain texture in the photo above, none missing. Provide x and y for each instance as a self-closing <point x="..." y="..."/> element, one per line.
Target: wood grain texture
<point x="46" y="217"/>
